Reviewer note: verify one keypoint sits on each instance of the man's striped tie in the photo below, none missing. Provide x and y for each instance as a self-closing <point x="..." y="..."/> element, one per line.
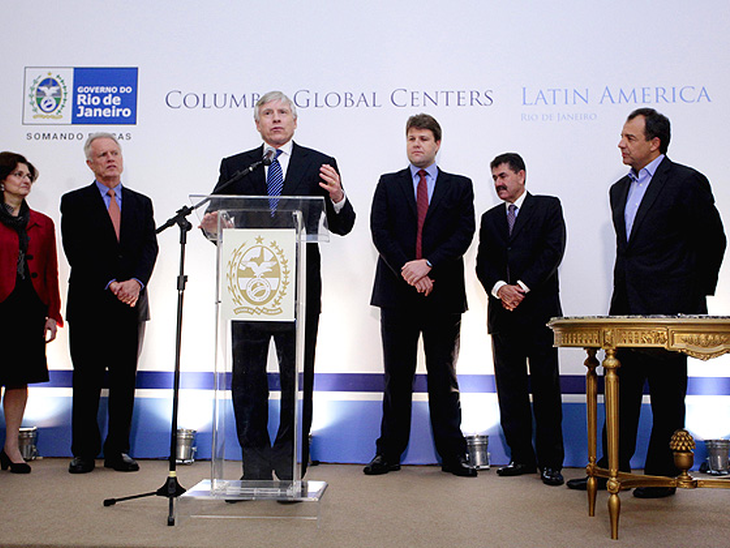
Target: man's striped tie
<point x="274" y="183"/>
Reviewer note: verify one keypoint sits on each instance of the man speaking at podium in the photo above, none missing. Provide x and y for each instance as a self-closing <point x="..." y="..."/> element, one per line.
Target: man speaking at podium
<point x="294" y="171"/>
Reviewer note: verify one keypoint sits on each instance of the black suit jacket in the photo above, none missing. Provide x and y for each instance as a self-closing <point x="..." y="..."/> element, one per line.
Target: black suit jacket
<point x="302" y="179"/>
<point x="532" y="254"/>
<point x="671" y="260"/>
<point x="447" y="233"/>
<point x="96" y="257"/>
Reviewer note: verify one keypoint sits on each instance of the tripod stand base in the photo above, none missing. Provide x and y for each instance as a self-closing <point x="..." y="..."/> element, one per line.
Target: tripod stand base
<point x="171" y="490"/>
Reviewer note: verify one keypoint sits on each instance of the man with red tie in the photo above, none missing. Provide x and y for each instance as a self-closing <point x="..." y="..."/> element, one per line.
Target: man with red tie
<point x="108" y="234"/>
<point x="422" y="222"/>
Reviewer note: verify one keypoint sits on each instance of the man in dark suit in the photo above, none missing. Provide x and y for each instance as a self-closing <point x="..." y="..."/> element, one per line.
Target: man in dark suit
<point x="108" y="234"/>
<point x="422" y="223"/>
<point x="669" y="247"/>
<point x="521" y="245"/>
<point x="305" y="172"/>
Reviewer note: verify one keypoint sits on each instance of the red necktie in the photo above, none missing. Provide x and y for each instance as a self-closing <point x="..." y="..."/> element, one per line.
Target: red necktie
<point x="422" y="204"/>
<point x="114" y="212"/>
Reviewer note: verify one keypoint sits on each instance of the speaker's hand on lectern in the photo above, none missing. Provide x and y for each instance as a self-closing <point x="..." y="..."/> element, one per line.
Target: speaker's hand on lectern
<point x="209" y="223"/>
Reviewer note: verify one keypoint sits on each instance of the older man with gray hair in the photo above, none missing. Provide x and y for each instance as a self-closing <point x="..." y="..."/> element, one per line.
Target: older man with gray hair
<point x="299" y="171"/>
<point x="108" y="234"/>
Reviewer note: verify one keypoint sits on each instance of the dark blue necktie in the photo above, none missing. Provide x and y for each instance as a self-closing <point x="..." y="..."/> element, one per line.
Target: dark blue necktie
<point x="274" y="183"/>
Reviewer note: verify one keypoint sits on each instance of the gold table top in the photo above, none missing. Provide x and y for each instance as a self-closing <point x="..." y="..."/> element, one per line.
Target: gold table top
<point x="702" y="337"/>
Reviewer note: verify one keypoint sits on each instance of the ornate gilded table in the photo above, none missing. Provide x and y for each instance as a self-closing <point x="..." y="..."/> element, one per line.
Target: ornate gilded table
<point x="702" y="337"/>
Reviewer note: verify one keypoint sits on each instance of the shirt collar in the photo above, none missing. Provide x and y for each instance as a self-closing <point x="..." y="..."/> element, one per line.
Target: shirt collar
<point x="518" y="202"/>
<point x="432" y="171"/>
<point x="286" y="148"/>
<point x="104" y="189"/>
<point x="646" y="172"/>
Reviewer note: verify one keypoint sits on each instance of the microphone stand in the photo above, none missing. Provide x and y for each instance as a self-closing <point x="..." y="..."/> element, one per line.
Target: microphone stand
<point x="172" y="489"/>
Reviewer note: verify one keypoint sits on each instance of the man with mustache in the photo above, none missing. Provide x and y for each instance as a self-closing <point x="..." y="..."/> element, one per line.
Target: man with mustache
<point x="521" y="245"/>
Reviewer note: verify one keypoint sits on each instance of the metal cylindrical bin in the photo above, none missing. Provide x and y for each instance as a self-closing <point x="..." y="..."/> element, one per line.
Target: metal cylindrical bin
<point x="186" y="449"/>
<point x="717" y="456"/>
<point x="27" y="438"/>
<point x="476" y="448"/>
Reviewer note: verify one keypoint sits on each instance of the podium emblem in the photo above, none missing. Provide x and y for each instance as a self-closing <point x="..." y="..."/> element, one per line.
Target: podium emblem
<point x="258" y="276"/>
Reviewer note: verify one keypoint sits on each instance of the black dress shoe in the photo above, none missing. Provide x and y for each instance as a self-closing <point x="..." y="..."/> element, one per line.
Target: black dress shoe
<point x="459" y="467"/>
<point x="552" y="476"/>
<point x="80" y="465"/>
<point x="654" y="492"/>
<point x="516" y="469"/>
<point x="380" y="465"/>
<point x="15" y="467"/>
<point x="581" y="484"/>
<point x="121" y="463"/>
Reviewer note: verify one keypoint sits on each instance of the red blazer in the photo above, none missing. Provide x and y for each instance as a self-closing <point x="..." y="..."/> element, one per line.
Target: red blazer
<point x="42" y="262"/>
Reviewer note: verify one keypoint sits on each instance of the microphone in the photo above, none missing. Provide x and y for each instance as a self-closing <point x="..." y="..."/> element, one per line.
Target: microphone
<point x="238" y="175"/>
<point x="268" y="156"/>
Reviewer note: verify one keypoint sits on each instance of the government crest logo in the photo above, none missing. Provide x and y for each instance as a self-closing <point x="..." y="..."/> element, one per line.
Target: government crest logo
<point x="47" y="96"/>
<point x="258" y="279"/>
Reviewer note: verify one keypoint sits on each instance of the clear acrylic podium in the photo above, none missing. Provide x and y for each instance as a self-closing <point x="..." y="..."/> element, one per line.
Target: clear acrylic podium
<point x="260" y="303"/>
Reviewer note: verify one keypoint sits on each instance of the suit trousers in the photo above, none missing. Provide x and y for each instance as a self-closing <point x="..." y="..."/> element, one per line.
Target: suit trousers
<point x="513" y="351"/>
<point x="666" y="374"/>
<point x="95" y="350"/>
<point x="400" y="332"/>
<point x="250" y="388"/>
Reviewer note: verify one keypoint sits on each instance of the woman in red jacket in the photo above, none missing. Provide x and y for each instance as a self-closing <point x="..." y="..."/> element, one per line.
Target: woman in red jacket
<point x="30" y="306"/>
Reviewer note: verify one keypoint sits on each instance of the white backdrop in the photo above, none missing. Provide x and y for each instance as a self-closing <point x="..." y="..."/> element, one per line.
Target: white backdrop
<point x="552" y="81"/>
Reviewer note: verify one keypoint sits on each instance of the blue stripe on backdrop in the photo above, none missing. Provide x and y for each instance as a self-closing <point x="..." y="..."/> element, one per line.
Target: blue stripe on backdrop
<point x="373" y="382"/>
<point x="348" y="439"/>
<point x="345" y="428"/>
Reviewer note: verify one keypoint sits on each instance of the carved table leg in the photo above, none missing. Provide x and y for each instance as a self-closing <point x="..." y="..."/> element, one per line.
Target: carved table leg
<point x="614" y="509"/>
<point x="592" y="410"/>
<point x="611" y="365"/>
